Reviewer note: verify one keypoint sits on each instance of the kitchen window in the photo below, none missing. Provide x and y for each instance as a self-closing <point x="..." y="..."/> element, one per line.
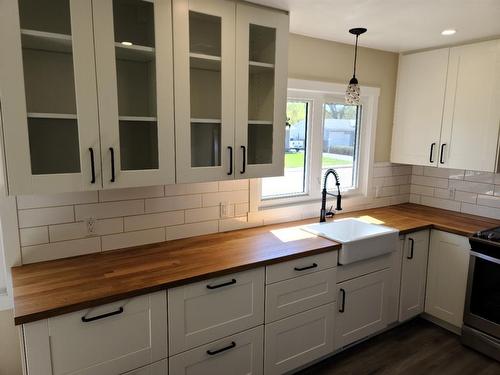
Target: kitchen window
<point x="321" y="132"/>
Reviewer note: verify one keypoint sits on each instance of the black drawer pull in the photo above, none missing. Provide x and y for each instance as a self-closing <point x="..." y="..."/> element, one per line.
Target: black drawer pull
<point x="214" y="352"/>
<point x="233" y="281"/>
<point x="92" y="165"/>
<point x="314" y="265"/>
<point x="107" y="315"/>
<point x="342" y="307"/>
<point x="412" y="241"/>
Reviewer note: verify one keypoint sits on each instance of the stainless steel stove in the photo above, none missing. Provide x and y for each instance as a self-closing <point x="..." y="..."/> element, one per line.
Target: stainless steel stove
<point x="481" y="329"/>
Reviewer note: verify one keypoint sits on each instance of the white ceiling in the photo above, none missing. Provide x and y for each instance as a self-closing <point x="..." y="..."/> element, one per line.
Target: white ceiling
<point x="393" y="25"/>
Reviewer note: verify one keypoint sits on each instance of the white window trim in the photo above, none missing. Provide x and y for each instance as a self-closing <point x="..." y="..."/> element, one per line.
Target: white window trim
<point x="310" y="89"/>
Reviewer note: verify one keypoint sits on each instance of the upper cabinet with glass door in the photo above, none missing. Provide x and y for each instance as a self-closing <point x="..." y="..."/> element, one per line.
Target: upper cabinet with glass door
<point x="261" y="82"/>
<point x="204" y="62"/>
<point x="49" y="101"/>
<point x="135" y="85"/>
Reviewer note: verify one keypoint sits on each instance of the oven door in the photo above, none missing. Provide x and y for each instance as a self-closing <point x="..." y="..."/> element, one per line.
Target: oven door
<point x="482" y="303"/>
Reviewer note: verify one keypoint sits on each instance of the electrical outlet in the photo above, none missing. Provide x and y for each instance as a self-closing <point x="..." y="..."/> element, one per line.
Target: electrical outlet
<point x="378" y="191"/>
<point x="224" y="209"/>
<point x="90" y="225"/>
<point x="452" y="193"/>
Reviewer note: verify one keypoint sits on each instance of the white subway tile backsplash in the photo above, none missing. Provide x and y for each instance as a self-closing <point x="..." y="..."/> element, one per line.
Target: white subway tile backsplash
<point x="231" y="197"/>
<point x="455" y="174"/>
<point x="464" y="196"/>
<point x="241" y="209"/>
<point x="161" y="219"/>
<point x="61" y="199"/>
<point x="173" y="203"/>
<point x="131" y="193"/>
<point x="129" y="239"/>
<point x="423" y="190"/>
<point x="472" y="187"/>
<point x="193" y="229"/>
<point x="233" y="185"/>
<point x="484" y="177"/>
<point x="109" y="209"/>
<point x="34" y="236"/>
<point x="481" y="210"/>
<point x="444" y="193"/>
<point x="203" y="214"/>
<point x="44" y="216"/>
<point x="430" y="181"/>
<point x="382" y="171"/>
<point x="71" y="231"/>
<point x="488" y="200"/>
<point x="415" y="198"/>
<point x="417" y="170"/>
<point x="56" y="250"/>
<point x="445" y="204"/>
<point x="400" y="170"/>
<point x="237" y="223"/>
<point x="185" y="189"/>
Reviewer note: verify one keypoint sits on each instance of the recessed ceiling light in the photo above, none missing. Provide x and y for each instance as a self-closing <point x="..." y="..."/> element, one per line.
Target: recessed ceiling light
<point x="127" y="43"/>
<point x="448" y="32"/>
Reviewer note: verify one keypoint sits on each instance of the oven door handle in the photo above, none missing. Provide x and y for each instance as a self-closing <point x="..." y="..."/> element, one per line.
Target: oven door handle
<point x="485" y="257"/>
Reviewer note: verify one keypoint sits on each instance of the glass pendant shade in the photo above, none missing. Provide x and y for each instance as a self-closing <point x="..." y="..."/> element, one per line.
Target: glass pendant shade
<point x="353" y="92"/>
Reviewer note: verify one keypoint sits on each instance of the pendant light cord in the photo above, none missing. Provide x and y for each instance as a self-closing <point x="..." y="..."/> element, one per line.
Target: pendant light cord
<point x="355" y="56"/>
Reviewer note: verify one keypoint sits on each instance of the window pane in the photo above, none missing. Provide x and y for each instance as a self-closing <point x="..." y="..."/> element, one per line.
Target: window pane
<point x="293" y="182"/>
<point x="340" y="142"/>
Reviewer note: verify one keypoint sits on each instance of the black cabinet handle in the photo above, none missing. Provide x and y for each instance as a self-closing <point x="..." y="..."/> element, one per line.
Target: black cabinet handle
<point x="92" y="165"/>
<point x="244" y="166"/>
<point x="432" y="152"/>
<point x="342" y="306"/>
<point x="107" y="315"/>
<point x="442" y="154"/>
<point x="112" y="164"/>
<point x="412" y="241"/>
<point x="230" y="160"/>
<point x="314" y="265"/>
<point x="214" y="352"/>
<point x="233" y="281"/>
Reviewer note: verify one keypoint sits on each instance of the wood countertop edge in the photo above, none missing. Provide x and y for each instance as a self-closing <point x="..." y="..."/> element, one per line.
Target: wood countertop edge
<point x="60" y="310"/>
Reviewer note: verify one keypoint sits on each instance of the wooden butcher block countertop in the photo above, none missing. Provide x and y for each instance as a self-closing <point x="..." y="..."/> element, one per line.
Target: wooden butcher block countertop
<point x="51" y="288"/>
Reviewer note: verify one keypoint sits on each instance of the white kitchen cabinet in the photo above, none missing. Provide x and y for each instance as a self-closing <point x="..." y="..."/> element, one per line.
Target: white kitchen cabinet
<point x="261" y="84"/>
<point x="447" y="277"/>
<point x="413" y="274"/>
<point x="208" y="310"/>
<point x="49" y="98"/>
<point x="300" y="294"/>
<point x="434" y="124"/>
<point x="362" y="307"/>
<point x="469" y="139"/>
<point x="418" y="109"/>
<point x="157" y="368"/>
<point x="134" y="65"/>
<point x="240" y="354"/>
<point x="109" y="339"/>
<point x="230" y="61"/>
<point x="297" y="340"/>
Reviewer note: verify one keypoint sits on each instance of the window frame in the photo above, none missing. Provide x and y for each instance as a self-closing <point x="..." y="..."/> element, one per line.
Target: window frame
<point x="318" y="92"/>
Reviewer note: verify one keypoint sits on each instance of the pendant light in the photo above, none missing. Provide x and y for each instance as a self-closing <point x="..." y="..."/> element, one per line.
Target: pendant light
<point x="352" y="93"/>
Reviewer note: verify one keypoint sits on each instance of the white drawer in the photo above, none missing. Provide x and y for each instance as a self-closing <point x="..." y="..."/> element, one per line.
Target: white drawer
<point x="364" y="267"/>
<point x="109" y="339"/>
<point x="295" y="341"/>
<point x="300" y="294"/>
<point x="300" y="266"/>
<point x="157" y="368"/>
<point x="208" y="310"/>
<point x="240" y="354"/>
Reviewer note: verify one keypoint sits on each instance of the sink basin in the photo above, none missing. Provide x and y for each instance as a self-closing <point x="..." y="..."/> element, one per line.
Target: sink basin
<point x="360" y="240"/>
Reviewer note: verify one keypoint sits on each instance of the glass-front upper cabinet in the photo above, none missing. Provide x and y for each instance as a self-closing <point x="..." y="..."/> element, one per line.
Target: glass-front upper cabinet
<point x="204" y="65"/>
<point x="133" y="44"/>
<point x="49" y="98"/>
<point x="261" y="83"/>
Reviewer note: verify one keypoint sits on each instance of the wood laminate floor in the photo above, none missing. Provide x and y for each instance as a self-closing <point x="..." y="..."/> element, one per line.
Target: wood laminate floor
<point x="417" y="347"/>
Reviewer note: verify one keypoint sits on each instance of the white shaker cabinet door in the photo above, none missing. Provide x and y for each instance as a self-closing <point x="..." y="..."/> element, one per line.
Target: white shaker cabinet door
<point x="104" y="340"/>
<point x="413" y="275"/>
<point x="419" y="107"/>
<point x="362" y="307"/>
<point x="471" y="120"/>
<point x="240" y="354"/>
<point x="447" y="277"/>
<point x="208" y="310"/>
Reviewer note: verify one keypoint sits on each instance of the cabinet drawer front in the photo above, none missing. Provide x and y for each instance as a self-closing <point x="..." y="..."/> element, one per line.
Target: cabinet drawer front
<point x="300" y="294"/>
<point x="240" y="354"/>
<point x="113" y="339"/>
<point x="365" y="267"/>
<point x="299" y="339"/>
<point x="301" y="266"/>
<point x="205" y="311"/>
<point x="362" y="307"/>
<point x="157" y="368"/>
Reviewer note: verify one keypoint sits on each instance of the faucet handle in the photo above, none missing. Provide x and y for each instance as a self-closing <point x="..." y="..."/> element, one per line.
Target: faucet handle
<point x="330" y="212"/>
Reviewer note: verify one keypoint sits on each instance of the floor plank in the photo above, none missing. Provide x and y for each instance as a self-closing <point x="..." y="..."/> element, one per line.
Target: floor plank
<point x="417" y="347"/>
